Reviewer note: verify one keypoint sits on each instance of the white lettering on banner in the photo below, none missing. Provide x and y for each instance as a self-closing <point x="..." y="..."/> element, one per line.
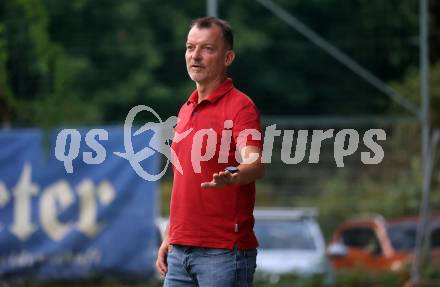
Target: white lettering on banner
<point x="55" y="198"/>
<point x="86" y="258"/>
<point x="25" y="259"/>
<point x="20" y="260"/>
<point x="106" y="193"/>
<point x="60" y="193"/>
<point x="87" y="215"/>
<point x="22" y="226"/>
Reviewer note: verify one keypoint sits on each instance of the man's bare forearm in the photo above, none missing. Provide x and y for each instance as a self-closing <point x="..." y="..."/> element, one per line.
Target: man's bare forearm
<point x="166" y="234"/>
<point x="250" y="172"/>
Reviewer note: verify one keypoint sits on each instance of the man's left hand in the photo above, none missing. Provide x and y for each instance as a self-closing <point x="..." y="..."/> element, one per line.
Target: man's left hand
<point x="220" y="180"/>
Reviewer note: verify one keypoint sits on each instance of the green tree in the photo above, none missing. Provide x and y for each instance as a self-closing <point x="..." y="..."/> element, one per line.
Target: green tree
<point x="392" y="195"/>
<point x="37" y="75"/>
<point x="82" y="62"/>
<point x="410" y="87"/>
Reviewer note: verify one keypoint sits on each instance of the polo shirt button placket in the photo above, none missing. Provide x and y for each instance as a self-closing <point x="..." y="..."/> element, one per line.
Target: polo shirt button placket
<point x="195" y="110"/>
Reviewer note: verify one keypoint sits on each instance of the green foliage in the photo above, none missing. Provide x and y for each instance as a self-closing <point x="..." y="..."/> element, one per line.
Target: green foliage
<point x="349" y="278"/>
<point x="356" y="278"/>
<point x="361" y="278"/>
<point x="81" y="62"/>
<point x="352" y="278"/>
<point x="410" y="87"/>
<point x="299" y="78"/>
<point x="36" y="85"/>
<point x="391" y="195"/>
<point x="5" y="91"/>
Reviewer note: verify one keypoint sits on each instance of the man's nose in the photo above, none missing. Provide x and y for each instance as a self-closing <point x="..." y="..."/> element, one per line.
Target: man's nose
<point x="197" y="55"/>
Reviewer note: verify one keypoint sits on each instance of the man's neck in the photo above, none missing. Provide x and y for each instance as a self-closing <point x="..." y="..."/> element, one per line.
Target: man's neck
<point x="203" y="90"/>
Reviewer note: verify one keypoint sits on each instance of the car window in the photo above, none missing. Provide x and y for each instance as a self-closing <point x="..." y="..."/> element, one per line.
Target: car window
<point x="435" y="237"/>
<point x="361" y="237"/>
<point x="402" y="235"/>
<point x="284" y="234"/>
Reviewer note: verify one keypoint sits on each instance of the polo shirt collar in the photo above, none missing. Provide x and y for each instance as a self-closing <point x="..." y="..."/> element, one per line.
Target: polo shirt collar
<point x="215" y="95"/>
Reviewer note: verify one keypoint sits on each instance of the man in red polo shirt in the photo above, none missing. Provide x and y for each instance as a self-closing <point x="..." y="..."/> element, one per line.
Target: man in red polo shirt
<point x="210" y="240"/>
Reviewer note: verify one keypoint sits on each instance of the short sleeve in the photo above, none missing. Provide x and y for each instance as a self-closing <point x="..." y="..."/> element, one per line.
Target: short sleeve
<point x="247" y="127"/>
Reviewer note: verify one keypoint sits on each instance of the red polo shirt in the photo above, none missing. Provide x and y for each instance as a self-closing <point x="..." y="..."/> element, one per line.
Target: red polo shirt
<point x="212" y="217"/>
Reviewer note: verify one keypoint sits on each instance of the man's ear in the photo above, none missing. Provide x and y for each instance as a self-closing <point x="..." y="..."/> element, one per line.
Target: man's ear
<point x="230" y="56"/>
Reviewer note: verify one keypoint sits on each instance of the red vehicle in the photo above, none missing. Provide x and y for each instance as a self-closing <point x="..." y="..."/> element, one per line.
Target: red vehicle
<point x="379" y="244"/>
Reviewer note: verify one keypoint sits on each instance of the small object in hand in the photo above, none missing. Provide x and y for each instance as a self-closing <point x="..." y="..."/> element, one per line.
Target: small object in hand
<point x="232" y="169"/>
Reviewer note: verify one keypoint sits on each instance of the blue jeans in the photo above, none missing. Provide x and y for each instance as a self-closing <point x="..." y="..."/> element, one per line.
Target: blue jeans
<point x="210" y="267"/>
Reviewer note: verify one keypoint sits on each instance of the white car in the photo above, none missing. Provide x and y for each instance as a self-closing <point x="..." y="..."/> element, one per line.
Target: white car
<point x="290" y="242"/>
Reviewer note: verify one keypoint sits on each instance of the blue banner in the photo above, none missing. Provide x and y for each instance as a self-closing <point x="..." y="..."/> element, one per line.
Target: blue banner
<point x="91" y="217"/>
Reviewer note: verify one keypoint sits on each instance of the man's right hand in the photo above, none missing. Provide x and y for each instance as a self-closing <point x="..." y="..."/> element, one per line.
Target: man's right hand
<point x="161" y="261"/>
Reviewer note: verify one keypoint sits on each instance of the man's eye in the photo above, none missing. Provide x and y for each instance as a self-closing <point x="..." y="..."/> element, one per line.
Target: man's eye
<point x="189" y="47"/>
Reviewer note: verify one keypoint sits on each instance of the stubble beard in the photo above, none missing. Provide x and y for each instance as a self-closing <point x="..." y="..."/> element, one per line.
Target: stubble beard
<point x="197" y="76"/>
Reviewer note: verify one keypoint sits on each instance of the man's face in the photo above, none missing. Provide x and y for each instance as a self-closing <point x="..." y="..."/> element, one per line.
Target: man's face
<point x="207" y="56"/>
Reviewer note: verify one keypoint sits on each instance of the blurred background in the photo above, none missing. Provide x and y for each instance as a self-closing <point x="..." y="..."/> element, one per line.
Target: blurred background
<point x="84" y="63"/>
